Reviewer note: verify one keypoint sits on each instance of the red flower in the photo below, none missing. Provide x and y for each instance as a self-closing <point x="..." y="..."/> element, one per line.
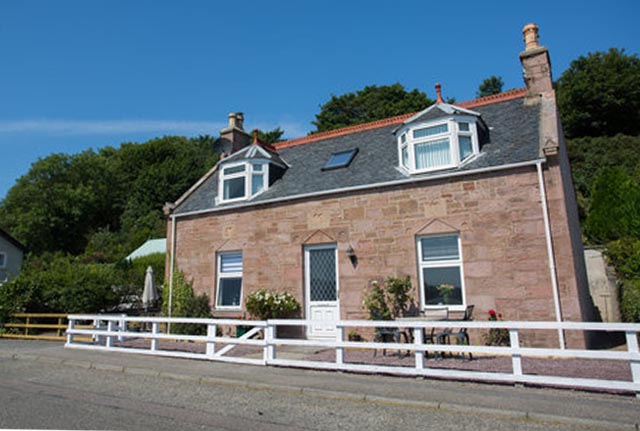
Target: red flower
<point x="499" y="315"/>
<point x="492" y="312"/>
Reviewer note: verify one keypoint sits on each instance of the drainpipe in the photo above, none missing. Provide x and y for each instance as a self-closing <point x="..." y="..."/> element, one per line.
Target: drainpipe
<point x="550" y="253"/>
<point x="171" y="265"/>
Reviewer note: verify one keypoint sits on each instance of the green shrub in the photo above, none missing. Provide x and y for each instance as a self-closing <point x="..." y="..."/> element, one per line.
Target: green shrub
<point x="58" y="283"/>
<point x="185" y="303"/>
<point x="391" y="301"/>
<point x="265" y="304"/>
<point x="624" y="255"/>
<point x="615" y="206"/>
<point x="630" y="304"/>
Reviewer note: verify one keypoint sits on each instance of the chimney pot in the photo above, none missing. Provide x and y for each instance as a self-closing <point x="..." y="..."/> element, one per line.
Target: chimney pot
<point x="530" y="34"/>
<point x="439" y="93"/>
<point x="236" y="120"/>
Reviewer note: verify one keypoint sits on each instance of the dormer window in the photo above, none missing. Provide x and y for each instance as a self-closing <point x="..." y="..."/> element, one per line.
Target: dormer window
<point x="241" y="181"/>
<point x="440" y="144"/>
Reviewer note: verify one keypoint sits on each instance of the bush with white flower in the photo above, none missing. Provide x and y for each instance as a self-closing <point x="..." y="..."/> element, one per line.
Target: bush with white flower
<point x="265" y="304"/>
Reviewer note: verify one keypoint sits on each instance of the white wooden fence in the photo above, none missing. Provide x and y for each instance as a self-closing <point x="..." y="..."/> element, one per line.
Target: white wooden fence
<point x="107" y="330"/>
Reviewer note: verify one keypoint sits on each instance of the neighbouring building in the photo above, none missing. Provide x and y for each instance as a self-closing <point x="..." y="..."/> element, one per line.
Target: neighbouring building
<point x="151" y="246"/>
<point x="477" y="195"/>
<point x="11" y="256"/>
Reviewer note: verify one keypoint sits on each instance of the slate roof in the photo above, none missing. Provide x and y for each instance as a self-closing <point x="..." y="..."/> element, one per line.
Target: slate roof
<point x="513" y="137"/>
<point x="12" y="240"/>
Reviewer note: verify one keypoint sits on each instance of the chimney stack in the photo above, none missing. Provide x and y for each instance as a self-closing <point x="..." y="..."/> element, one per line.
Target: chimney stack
<point x="535" y="63"/>
<point x="234" y="136"/>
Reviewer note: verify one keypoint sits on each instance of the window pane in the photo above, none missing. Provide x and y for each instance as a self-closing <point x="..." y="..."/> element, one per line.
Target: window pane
<point x="2" y="260"/>
<point x="229" y="294"/>
<point x="234" y="188"/>
<point x="341" y="159"/>
<point x="437" y="286"/>
<point x="234" y="170"/>
<point x="429" y="131"/>
<point x="403" y="138"/>
<point x="465" y="146"/>
<point x="405" y="157"/>
<point x="231" y="262"/>
<point x="257" y="168"/>
<point x="440" y="248"/>
<point x="464" y="127"/>
<point x="433" y="154"/>
<point x="322" y="275"/>
<point x="257" y="183"/>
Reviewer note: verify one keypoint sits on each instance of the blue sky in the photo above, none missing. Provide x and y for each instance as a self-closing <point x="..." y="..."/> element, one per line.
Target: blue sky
<point x="87" y="74"/>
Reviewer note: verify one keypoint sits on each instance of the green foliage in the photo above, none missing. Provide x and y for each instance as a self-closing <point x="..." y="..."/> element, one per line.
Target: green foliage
<point x="599" y="95"/>
<point x="588" y="156"/>
<point x="496" y="336"/>
<point x="491" y="85"/>
<point x="630" y="303"/>
<point x="105" y="203"/>
<point x="61" y="283"/>
<point x="614" y="211"/>
<point x="271" y="136"/>
<point x="391" y="301"/>
<point x="185" y="303"/>
<point x="369" y="104"/>
<point x="265" y="304"/>
<point x="624" y="254"/>
<point x="375" y="302"/>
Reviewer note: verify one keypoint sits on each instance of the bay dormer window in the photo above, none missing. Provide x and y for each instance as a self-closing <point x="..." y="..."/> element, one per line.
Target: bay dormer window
<point x="441" y="144"/>
<point x="242" y="181"/>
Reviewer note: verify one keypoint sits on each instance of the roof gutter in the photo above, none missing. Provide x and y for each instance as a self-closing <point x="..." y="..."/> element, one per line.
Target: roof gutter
<point x="364" y="187"/>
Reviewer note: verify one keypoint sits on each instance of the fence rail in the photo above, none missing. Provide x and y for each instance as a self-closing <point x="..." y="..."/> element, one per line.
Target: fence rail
<point x="106" y="331"/>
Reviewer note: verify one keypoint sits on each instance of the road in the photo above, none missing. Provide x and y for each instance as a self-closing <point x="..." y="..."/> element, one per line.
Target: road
<point x="59" y="397"/>
<point x="44" y="386"/>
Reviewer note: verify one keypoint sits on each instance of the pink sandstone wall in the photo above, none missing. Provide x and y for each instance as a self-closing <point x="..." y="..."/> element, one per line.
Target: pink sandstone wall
<point x="498" y="215"/>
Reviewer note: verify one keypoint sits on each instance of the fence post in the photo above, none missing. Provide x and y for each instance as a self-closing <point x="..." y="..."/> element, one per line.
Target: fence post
<point x="516" y="356"/>
<point x="110" y="327"/>
<point x="418" y="340"/>
<point x="211" y="345"/>
<point x="634" y="364"/>
<point x="72" y="325"/>
<point x="59" y="330"/>
<point x="270" y="348"/>
<point x="122" y="326"/>
<point x="339" y="349"/>
<point x="26" y="327"/>
<point x="155" y="330"/>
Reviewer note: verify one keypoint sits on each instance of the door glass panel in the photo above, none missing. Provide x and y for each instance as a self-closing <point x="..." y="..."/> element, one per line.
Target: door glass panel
<point x="322" y="275"/>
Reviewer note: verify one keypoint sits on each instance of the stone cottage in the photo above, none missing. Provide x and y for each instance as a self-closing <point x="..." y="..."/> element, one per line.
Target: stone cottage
<point x="11" y="256"/>
<point x="477" y="195"/>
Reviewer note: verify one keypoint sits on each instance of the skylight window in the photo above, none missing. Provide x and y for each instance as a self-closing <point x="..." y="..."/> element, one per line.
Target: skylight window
<point x="340" y="159"/>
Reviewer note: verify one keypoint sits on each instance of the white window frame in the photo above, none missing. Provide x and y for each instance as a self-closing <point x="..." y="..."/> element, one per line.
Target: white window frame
<point x="3" y="262"/>
<point x="452" y="134"/>
<point x="222" y="275"/>
<point x="448" y="263"/>
<point x="247" y="174"/>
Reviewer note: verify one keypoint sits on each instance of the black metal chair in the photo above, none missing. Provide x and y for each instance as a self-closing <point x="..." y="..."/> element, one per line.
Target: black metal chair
<point x="461" y="336"/>
<point x="387" y="335"/>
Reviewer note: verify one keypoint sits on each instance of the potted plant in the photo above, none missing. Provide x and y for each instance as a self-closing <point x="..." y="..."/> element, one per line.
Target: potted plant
<point x="445" y="291"/>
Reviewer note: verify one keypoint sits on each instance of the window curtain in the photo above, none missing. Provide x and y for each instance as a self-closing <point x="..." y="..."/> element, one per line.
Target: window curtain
<point x="433" y="154"/>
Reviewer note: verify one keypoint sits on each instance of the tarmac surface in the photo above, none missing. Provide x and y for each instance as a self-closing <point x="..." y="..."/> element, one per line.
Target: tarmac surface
<point x="575" y="408"/>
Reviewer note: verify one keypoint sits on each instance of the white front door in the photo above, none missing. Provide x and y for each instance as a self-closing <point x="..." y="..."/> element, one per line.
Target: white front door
<point x="321" y="290"/>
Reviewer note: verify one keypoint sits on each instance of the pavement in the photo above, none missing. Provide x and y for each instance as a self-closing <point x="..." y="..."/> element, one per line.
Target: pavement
<point x="596" y="410"/>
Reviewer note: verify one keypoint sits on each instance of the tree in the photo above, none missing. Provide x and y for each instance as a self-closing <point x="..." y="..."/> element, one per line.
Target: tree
<point x="369" y="104"/>
<point x="491" y="85"/>
<point x="271" y="136"/>
<point x="589" y="155"/>
<point x="599" y="95"/>
<point x="615" y="205"/>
